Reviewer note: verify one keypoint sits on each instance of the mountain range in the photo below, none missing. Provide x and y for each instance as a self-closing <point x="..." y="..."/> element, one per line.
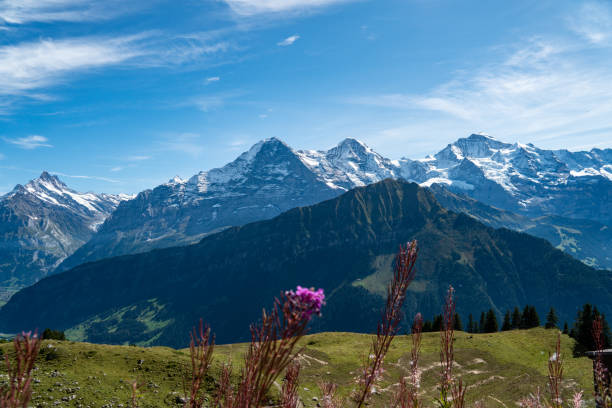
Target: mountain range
<point x="271" y="178"/>
<point x="43" y="222"/>
<point x="345" y="245"/>
<point x="562" y="196"/>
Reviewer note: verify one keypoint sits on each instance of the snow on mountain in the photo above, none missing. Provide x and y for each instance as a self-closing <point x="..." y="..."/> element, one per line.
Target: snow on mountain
<point x="271" y="178"/>
<point x="48" y="189"/>
<point x="520" y="177"/>
<point x="348" y="165"/>
<point x="43" y="222"/>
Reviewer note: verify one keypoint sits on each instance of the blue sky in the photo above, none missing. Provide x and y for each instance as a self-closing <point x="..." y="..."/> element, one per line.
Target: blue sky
<point x="119" y="98"/>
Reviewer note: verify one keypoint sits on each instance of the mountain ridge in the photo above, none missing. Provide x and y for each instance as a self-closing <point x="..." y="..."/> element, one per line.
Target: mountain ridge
<point x="271" y="178"/>
<point x="345" y="245"/>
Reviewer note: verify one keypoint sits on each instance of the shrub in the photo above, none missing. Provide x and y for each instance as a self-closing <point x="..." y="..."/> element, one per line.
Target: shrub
<point x="49" y="334"/>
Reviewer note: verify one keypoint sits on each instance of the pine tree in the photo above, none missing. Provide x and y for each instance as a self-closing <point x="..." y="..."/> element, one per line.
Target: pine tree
<point x="565" y="328"/>
<point x="49" y="334"/>
<point x="516" y="318"/>
<point x="507" y="325"/>
<point x="525" y="319"/>
<point x="427" y="326"/>
<point x="481" y="326"/>
<point x="471" y="325"/>
<point x="490" y="325"/>
<point x="583" y="329"/>
<point x="551" y="319"/>
<point x="534" y="319"/>
<point x="437" y="323"/>
<point x="458" y="325"/>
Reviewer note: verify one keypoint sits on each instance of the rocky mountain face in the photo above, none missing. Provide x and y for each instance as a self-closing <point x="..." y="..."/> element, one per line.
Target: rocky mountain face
<point x="263" y="182"/>
<point x="271" y="178"/>
<point x="43" y="222"/>
<point x="522" y="178"/>
<point x="345" y="245"/>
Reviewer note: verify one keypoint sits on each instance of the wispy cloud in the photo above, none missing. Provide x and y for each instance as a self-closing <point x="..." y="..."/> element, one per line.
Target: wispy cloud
<point x="539" y="90"/>
<point x="188" y="143"/>
<point x="28" y="66"/>
<point x="28" y="69"/>
<point x="288" y="41"/>
<point x="593" y="21"/>
<point x="26" y="11"/>
<point x="109" y="180"/>
<point x="212" y="79"/>
<point x="210" y="102"/>
<point x="253" y="7"/>
<point x="137" y="158"/>
<point x="29" y="142"/>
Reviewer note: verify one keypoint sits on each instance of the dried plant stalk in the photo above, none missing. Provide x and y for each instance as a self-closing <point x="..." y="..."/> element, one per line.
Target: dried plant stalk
<point x="555" y="374"/>
<point x="603" y="394"/>
<point x="447" y="351"/>
<point x="272" y="347"/>
<point x="289" y="392"/>
<point x="328" y="397"/>
<point x="201" y="351"/>
<point x="18" y="391"/>
<point x="391" y="317"/>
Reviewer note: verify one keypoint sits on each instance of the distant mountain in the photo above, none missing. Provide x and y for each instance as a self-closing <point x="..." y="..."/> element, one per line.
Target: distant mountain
<point x="271" y="178"/>
<point x="586" y="240"/>
<point x="262" y="183"/>
<point x="42" y="223"/>
<point x="522" y="178"/>
<point x="345" y="245"/>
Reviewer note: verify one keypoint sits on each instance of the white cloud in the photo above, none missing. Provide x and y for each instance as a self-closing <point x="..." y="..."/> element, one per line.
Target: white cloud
<point x="28" y="68"/>
<point x="32" y="65"/>
<point x="593" y="21"/>
<point x="116" y="168"/>
<point x="288" y="41"/>
<point x="213" y="79"/>
<point x="29" y="142"/>
<point x="539" y="92"/>
<point x="252" y="7"/>
<point x="25" y="11"/>
<point x="109" y="180"/>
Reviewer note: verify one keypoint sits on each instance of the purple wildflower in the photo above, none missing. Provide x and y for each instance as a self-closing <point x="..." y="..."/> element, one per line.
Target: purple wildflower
<point x="307" y="301"/>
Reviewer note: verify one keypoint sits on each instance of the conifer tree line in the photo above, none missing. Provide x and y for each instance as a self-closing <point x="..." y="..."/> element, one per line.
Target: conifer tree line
<point x="528" y="318"/>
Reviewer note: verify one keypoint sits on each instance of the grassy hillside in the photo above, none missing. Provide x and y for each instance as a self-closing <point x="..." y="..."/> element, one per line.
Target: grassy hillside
<point x="499" y="368"/>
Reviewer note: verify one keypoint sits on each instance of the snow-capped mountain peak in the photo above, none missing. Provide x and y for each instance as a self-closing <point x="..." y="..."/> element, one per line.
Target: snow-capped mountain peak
<point x="44" y="221"/>
<point x="271" y="177"/>
<point x="49" y="190"/>
<point x="176" y="180"/>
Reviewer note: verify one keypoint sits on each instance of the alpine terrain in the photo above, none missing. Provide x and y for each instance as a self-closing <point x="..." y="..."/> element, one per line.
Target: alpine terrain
<point x="43" y="222"/>
<point x="345" y="245"/>
<point x="562" y="196"/>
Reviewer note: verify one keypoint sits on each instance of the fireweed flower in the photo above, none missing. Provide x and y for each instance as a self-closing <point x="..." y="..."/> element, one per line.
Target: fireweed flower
<point x="306" y="301"/>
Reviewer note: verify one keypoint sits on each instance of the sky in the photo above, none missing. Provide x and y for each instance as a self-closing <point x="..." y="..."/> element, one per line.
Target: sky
<point x="119" y="96"/>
